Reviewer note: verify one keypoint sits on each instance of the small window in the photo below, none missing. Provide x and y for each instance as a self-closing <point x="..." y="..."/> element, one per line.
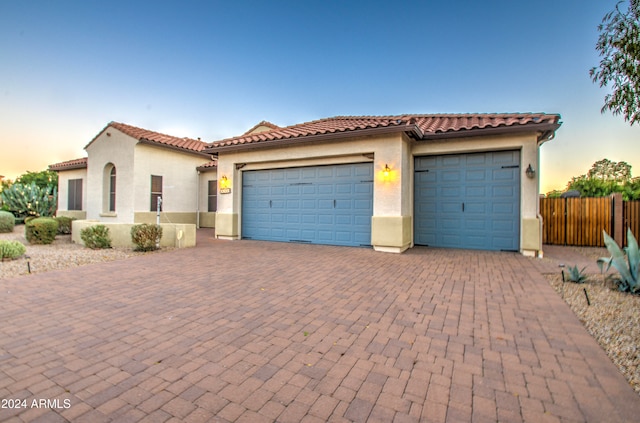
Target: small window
<point x="212" y="197"/>
<point x="74" y="197"/>
<point x="156" y="192"/>
<point x="112" y="189"/>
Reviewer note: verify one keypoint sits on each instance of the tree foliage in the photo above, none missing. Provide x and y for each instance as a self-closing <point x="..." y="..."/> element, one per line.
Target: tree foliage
<point x="619" y="46"/>
<point x="607" y="170"/>
<point x="605" y="178"/>
<point x="43" y="179"/>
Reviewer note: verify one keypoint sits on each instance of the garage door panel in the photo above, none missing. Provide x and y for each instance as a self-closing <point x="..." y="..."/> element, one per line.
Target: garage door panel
<point x="315" y="203"/>
<point x="468" y="200"/>
<point x="344" y="189"/>
<point x="478" y="175"/>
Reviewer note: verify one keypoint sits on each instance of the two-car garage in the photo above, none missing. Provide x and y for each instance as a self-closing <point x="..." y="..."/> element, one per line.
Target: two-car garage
<point x="460" y="201"/>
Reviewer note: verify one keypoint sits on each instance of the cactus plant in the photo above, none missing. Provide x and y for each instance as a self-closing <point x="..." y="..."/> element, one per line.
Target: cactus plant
<point x="30" y="200"/>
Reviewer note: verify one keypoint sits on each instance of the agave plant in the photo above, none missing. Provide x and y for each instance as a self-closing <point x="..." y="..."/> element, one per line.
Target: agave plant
<point x="576" y="275"/>
<point x="627" y="263"/>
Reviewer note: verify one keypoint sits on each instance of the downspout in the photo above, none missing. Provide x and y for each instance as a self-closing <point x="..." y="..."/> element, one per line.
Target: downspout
<point x="540" y="218"/>
<point x="198" y="201"/>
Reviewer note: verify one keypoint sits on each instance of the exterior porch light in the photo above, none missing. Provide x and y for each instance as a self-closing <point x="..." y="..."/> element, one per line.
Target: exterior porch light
<point x="531" y="173"/>
<point x="224" y="182"/>
<point x="386" y="172"/>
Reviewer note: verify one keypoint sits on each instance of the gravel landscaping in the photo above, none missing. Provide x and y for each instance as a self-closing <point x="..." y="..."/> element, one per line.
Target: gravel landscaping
<point x="612" y="318"/>
<point x="61" y="254"/>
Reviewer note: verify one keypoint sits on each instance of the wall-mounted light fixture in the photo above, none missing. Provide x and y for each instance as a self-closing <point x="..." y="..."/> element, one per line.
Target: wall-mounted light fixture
<point x="531" y="173"/>
<point x="224" y="182"/>
<point x="386" y="172"/>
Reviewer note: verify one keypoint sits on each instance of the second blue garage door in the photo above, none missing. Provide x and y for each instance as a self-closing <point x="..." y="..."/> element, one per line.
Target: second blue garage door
<point x="468" y="200"/>
<point x="319" y="204"/>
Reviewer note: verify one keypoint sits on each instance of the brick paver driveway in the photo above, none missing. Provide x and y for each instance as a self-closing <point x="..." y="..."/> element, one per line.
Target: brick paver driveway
<point x="256" y="331"/>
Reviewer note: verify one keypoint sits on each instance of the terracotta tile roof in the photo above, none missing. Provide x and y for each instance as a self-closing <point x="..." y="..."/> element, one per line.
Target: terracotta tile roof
<point x="264" y="123"/>
<point x="152" y="137"/>
<point x="208" y="165"/>
<point x="419" y="126"/>
<point x="70" y="164"/>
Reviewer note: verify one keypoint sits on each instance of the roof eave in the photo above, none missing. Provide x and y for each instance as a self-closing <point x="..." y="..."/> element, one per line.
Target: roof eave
<point x="172" y="147"/>
<point x="545" y="132"/>
<point x="413" y="130"/>
<point x="70" y="167"/>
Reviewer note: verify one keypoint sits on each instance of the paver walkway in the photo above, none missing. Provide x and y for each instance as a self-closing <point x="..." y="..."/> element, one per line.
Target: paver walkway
<point x="262" y="332"/>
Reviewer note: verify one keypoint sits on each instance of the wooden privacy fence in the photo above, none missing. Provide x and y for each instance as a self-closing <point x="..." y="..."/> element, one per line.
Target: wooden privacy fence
<point x="580" y="221"/>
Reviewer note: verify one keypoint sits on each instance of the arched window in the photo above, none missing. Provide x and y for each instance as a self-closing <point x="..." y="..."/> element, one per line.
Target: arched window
<point x="112" y="189"/>
<point x="109" y="188"/>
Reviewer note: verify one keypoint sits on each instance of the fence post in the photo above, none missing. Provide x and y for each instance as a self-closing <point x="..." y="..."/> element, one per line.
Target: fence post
<point x="616" y="214"/>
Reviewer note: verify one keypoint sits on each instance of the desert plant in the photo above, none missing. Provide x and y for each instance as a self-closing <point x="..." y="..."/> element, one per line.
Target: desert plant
<point x="7" y="221"/>
<point x="146" y="237"/>
<point x="11" y="249"/>
<point x="576" y="275"/>
<point x="64" y="224"/>
<point x="30" y="199"/>
<point x="96" y="237"/>
<point x="627" y="264"/>
<point x="41" y="230"/>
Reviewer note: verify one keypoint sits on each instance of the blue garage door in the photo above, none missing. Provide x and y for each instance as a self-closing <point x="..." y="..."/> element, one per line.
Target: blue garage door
<point x="320" y="204"/>
<point x="468" y="201"/>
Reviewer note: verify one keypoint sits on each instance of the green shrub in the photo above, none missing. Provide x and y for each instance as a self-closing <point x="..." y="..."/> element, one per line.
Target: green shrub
<point x="146" y="237"/>
<point x="11" y="249"/>
<point x="576" y="275"/>
<point x="7" y="221"/>
<point x="96" y="237"/>
<point x="41" y="230"/>
<point x="64" y="224"/>
<point x="28" y="219"/>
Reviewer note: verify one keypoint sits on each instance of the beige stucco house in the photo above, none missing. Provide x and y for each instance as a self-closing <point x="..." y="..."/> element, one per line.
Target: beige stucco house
<point x="392" y="182"/>
<point x="388" y="182"/>
<point x="128" y="168"/>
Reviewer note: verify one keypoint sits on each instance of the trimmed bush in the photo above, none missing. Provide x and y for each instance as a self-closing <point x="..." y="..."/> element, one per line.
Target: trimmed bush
<point x="146" y="237"/>
<point x="11" y="249"/>
<point x="41" y="230"/>
<point x="7" y="221"/>
<point x="96" y="237"/>
<point x="64" y="224"/>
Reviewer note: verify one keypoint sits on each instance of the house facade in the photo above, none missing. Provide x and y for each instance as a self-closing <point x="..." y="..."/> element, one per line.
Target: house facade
<point x="126" y="171"/>
<point x="388" y="182"/>
<point x="391" y="182"/>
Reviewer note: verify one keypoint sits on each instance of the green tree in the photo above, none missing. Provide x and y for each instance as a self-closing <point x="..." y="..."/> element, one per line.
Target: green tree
<point x="631" y="189"/>
<point x="607" y="170"/>
<point x="43" y="179"/>
<point x="619" y="46"/>
<point x="605" y="178"/>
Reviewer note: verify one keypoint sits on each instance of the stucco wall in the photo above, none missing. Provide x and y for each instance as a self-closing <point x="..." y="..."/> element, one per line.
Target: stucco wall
<point x="179" y="178"/>
<point x="63" y="187"/>
<point x="111" y="146"/>
<point x="173" y="235"/>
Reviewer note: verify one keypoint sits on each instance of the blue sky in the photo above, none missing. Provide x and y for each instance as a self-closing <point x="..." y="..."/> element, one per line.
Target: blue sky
<point x="213" y="69"/>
